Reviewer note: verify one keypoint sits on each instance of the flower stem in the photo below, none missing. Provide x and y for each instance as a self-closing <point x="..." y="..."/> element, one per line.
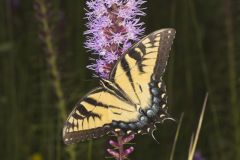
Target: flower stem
<point x="120" y="149"/>
<point x="42" y="9"/>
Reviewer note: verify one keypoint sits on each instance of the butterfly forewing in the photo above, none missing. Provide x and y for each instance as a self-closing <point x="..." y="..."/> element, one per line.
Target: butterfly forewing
<point x="144" y="62"/>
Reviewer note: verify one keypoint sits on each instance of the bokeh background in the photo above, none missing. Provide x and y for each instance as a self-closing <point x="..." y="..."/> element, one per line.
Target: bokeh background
<point x="38" y="84"/>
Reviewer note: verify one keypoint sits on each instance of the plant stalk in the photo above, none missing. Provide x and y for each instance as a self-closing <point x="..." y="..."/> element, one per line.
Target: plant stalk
<point x="228" y="4"/>
<point x="120" y="149"/>
<point x="42" y="11"/>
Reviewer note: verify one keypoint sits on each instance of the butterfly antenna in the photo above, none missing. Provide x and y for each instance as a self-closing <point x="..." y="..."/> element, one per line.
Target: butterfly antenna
<point x="169" y="117"/>
<point x="154" y="136"/>
<point x="172" y="119"/>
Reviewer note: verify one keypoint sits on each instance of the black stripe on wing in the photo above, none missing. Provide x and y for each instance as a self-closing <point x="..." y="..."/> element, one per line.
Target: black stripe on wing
<point x="115" y="89"/>
<point x="83" y="111"/>
<point x="136" y="56"/>
<point x="100" y="104"/>
<point x="166" y="35"/>
<point x="126" y="68"/>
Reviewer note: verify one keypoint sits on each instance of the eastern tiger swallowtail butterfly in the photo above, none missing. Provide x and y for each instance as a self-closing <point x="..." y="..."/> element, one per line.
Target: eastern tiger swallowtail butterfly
<point x="132" y="100"/>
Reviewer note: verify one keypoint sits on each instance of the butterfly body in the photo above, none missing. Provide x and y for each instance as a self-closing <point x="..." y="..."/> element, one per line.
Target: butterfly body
<point x="132" y="100"/>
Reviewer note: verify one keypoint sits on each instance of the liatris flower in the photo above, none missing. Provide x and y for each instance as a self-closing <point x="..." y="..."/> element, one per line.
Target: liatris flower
<point x="113" y="25"/>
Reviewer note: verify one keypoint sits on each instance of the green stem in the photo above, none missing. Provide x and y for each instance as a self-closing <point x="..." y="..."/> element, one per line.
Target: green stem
<point x="232" y="72"/>
<point x="90" y="150"/>
<point x="52" y="61"/>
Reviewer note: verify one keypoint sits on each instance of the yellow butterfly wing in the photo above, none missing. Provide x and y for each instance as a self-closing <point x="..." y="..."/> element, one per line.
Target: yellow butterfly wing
<point x="93" y="115"/>
<point x="134" y="98"/>
<point x="139" y="72"/>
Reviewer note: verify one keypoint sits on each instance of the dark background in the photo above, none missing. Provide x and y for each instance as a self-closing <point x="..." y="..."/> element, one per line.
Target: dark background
<point x="205" y="58"/>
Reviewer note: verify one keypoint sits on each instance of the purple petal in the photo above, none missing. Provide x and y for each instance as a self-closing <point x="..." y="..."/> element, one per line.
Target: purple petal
<point x="128" y="151"/>
<point x="128" y="138"/>
<point x="111" y="57"/>
<point x="113" y="153"/>
<point x="114" y="144"/>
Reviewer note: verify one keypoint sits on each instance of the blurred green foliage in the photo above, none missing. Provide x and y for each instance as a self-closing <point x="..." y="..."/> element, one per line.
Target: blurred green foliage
<point x="205" y="57"/>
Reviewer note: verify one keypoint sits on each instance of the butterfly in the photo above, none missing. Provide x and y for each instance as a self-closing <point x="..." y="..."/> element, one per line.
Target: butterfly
<point x="132" y="100"/>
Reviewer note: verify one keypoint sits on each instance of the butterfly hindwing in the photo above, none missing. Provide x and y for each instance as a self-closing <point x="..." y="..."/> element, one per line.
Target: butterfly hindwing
<point x="92" y="116"/>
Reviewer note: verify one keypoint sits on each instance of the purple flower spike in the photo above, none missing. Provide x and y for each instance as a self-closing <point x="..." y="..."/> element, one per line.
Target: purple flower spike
<point x="113" y="25"/>
<point x="119" y="153"/>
